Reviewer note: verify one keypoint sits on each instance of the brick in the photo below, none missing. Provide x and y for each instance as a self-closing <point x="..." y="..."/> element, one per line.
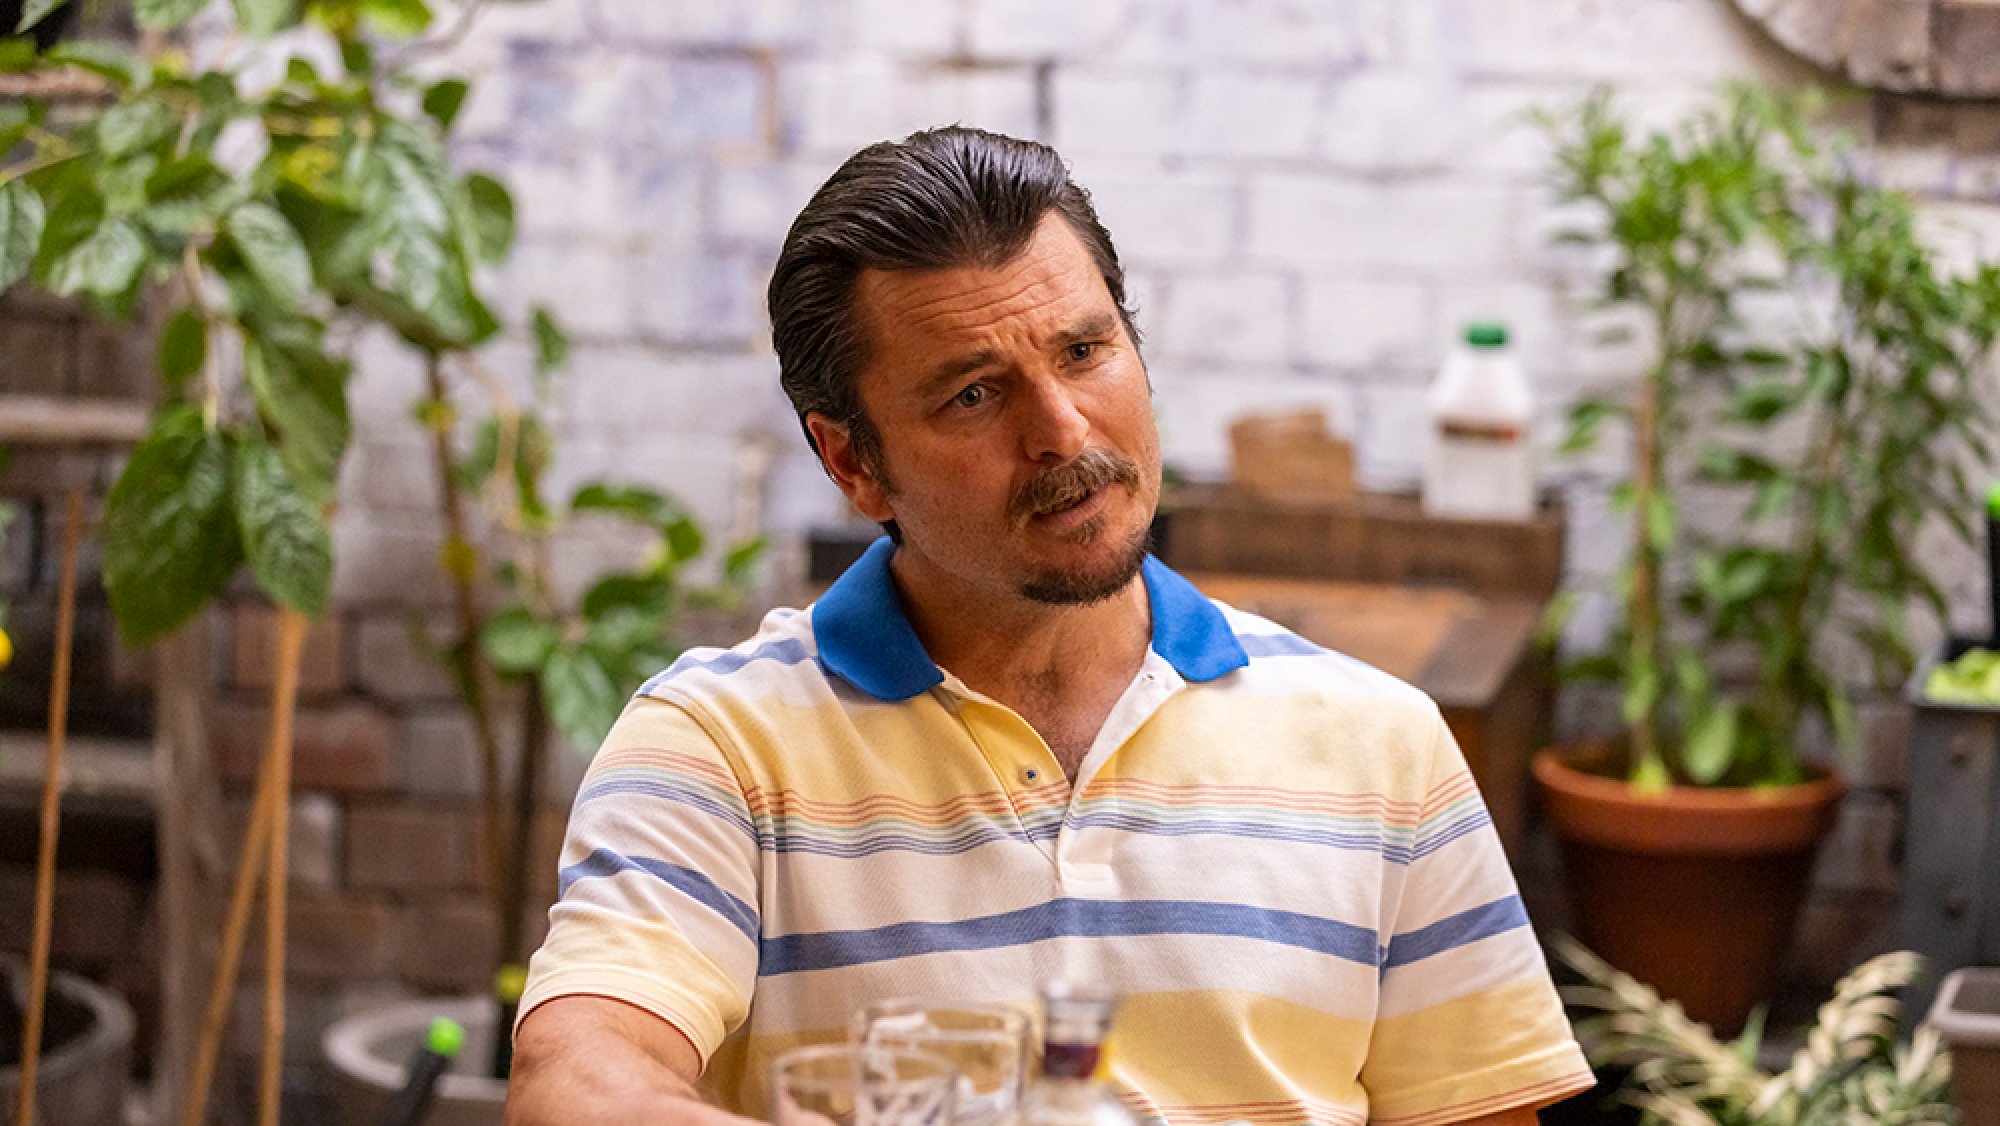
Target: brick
<point x="254" y="654"/>
<point x="390" y="662"/>
<point x="1580" y="40"/>
<point x="1253" y="116"/>
<point x="1327" y="222"/>
<point x="1183" y="220"/>
<point x="441" y="757"/>
<point x="447" y="944"/>
<point x="346" y="747"/>
<point x="720" y="394"/>
<point x="902" y="27"/>
<point x="396" y="475"/>
<point x="755" y="204"/>
<point x="1001" y="99"/>
<point x="97" y="914"/>
<point x="1394" y="122"/>
<point x="1242" y="318"/>
<point x="592" y="290"/>
<point x="698" y="23"/>
<point x="834" y="106"/>
<point x="692" y="104"/>
<point x="1372" y="325"/>
<point x="36" y="355"/>
<point x="1046" y="28"/>
<point x="114" y="361"/>
<point x="313" y="842"/>
<point x="330" y="938"/>
<point x="379" y="562"/>
<point x="715" y="300"/>
<point x="1122" y="113"/>
<point x="1285" y="32"/>
<point x="415" y="847"/>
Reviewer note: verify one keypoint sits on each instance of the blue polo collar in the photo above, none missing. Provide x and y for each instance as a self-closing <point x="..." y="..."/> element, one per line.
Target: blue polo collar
<point x="865" y="639"/>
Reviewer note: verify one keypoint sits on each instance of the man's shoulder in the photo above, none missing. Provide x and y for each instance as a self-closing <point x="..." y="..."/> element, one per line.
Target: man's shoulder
<point x="781" y="654"/>
<point x="1281" y="660"/>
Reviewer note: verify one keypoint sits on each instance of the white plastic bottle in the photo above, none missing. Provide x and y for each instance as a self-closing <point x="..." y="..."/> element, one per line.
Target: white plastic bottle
<point x="1481" y="462"/>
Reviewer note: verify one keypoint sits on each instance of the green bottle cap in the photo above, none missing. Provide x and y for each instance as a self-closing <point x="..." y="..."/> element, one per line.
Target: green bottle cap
<point x="1486" y="334"/>
<point x="446" y="1037"/>
<point x="509" y="982"/>
<point x="1993" y="501"/>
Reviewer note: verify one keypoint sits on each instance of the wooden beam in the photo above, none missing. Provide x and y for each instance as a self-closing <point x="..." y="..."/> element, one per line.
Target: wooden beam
<point x="28" y="420"/>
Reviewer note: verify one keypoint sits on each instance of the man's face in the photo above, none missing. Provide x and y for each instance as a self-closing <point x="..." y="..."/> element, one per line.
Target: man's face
<point x="1019" y="453"/>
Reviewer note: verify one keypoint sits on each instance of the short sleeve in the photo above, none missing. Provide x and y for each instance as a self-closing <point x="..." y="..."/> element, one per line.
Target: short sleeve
<point x="659" y="881"/>
<point x="1467" y="1021"/>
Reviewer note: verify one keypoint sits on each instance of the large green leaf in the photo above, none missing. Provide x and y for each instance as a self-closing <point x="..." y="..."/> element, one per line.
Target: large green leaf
<point x="189" y="194"/>
<point x="301" y="391"/>
<point x="170" y="538"/>
<point x="272" y="250"/>
<point x="131" y="126"/>
<point x="116" y="64"/>
<point x="551" y="342"/>
<point x="165" y="15"/>
<point x="1711" y="744"/>
<point x="22" y="217"/>
<point x="518" y="642"/>
<point x="106" y="263"/>
<point x="183" y="347"/>
<point x="284" y="531"/>
<point x="492" y="217"/>
<point x="403" y="19"/>
<point x="582" y="698"/>
<point x="262" y="18"/>
<point x="444" y="99"/>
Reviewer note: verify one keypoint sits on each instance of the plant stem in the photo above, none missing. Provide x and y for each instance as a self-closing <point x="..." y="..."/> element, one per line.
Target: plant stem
<point x="527" y="792"/>
<point x="469" y="671"/>
<point x="1643" y="610"/>
<point x="51" y="813"/>
<point x="284" y="700"/>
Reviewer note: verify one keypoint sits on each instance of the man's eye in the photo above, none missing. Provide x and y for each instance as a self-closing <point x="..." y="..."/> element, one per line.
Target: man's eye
<point x="972" y="396"/>
<point x="1078" y="353"/>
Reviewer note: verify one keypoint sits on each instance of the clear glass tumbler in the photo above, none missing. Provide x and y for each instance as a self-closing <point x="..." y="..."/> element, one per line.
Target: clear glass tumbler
<point x="858" y="1085"/>
<point x="990" y="1045"/>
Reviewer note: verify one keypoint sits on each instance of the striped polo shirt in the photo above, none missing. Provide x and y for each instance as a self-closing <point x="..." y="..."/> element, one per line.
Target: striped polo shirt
<point x="1273" y="852"/>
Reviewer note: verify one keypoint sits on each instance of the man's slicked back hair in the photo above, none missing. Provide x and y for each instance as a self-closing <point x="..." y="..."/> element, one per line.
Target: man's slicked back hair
<point x="944" y="198"/>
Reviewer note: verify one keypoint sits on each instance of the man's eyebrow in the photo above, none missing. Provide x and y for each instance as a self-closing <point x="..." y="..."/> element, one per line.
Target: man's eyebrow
<point x="1091" y="328"/>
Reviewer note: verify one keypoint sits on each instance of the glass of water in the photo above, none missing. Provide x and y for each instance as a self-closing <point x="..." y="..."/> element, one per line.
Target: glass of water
<point x="990" y="1046"/>
<point x="860" y="1085"/>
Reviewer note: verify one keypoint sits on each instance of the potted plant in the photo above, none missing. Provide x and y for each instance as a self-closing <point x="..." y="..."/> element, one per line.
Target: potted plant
<point x="1813" y="368"/>
<point x="1851" y="1068"/>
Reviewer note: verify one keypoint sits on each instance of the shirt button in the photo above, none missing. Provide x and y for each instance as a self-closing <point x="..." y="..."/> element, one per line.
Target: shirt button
<point x="1031" y="775"/>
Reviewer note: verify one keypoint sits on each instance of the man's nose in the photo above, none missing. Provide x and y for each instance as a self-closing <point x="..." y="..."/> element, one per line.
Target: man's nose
<point x="1055" y="429"/>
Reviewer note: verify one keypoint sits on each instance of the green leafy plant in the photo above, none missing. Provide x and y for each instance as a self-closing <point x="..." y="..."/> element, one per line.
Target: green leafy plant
<point x="258" y="219"/>
<point x="1850" y="1071"/>
<point x="576" y="663"/>
<point x="1838" y="423"/>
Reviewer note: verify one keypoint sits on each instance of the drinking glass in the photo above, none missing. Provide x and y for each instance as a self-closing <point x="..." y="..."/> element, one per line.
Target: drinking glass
<point x="990" y="1045"/>
<point x="859" y="1085"/>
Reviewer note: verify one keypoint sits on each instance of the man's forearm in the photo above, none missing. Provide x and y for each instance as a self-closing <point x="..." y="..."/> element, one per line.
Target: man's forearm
<point x="593" y="1060"/>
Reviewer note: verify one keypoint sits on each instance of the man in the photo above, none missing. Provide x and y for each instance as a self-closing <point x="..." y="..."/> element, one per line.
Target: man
<point x="1007" y="746"/>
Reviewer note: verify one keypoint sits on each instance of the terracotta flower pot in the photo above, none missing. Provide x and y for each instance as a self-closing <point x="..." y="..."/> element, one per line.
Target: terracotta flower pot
<point x="1694" y="891"/>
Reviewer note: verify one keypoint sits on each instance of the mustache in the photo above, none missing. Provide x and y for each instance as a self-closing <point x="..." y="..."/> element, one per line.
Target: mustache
<point x="1063" y="485"/>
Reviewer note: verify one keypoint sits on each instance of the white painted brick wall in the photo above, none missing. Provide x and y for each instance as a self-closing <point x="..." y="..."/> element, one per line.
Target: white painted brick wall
<point x="1233" y="318"/>
<point x="1155" y="220"/>
<point x="1366" y="327"/>
<point x="1239" y="115"/>
<point x="1451" y="228"/>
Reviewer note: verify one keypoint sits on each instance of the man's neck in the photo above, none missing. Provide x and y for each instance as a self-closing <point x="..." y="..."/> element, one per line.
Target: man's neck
<point x="1061" y="667"/>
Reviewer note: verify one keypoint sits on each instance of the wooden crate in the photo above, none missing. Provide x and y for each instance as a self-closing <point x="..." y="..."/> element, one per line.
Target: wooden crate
<point x="1374" y="537"/>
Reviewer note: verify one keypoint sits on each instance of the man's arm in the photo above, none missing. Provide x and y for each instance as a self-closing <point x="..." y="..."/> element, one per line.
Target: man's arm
<point x="594" y="1060"/>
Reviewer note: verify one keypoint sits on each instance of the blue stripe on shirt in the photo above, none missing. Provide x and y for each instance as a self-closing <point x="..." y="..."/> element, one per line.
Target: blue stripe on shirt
<point x="1059" y="918"/>
<point x="603" y="862"/>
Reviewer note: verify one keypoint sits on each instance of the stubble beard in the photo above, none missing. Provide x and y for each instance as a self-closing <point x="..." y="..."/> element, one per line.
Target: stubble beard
<point x="1075" y="587"/>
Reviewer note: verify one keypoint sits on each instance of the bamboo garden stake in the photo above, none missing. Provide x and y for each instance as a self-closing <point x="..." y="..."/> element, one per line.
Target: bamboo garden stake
<point x="45" y="866"/>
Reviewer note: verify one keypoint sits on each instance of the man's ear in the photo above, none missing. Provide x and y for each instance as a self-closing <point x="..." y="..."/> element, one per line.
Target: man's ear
<point x="862" y="487"/>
